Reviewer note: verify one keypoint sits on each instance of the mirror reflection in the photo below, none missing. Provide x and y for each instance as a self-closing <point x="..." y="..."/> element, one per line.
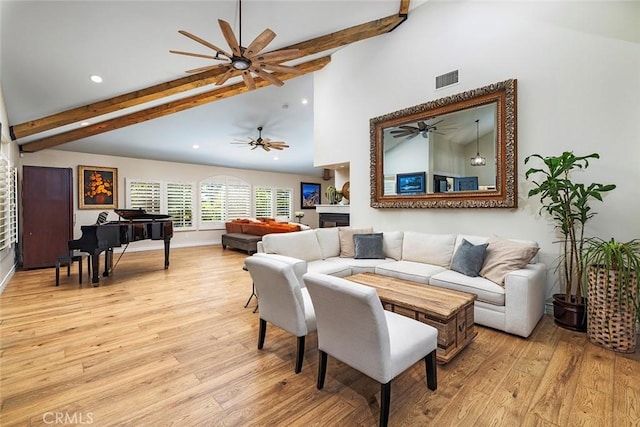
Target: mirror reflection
<point x="455" y="152"/>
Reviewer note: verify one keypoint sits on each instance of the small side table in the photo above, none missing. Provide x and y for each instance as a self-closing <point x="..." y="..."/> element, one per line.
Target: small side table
<point x="67" y="259"/>
<point x="253" y="292"/>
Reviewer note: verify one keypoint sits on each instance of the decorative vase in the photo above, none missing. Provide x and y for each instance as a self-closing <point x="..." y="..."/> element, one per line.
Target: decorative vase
<point x="570" y="314"/>
<point x="100" y="199"/>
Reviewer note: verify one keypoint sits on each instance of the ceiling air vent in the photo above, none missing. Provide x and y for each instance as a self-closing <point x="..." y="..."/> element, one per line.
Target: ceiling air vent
<point x="447" y="79"/>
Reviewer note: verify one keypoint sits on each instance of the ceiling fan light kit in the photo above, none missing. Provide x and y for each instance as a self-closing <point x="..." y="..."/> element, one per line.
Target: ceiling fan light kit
<point x="246" y="60"/>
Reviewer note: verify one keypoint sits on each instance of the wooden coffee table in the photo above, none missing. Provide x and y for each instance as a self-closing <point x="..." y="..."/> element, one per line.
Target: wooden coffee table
<point x="451" y="312"/>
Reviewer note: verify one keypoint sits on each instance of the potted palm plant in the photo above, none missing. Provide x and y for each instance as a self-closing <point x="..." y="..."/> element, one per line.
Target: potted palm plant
<point x="613" y="300"/>
<point x="567" y="204"/>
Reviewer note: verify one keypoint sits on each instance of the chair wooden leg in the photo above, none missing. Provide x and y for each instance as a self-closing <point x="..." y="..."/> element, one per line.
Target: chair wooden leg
<point x="432" y="374"/>
<point x="299" y="354"/>
<point x="385" y="401"/>
<point x="322" y="368"/>
<point x="261" y="334"/>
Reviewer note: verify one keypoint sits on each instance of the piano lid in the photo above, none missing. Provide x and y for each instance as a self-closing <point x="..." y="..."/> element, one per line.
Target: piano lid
<point x="133" y="214"/>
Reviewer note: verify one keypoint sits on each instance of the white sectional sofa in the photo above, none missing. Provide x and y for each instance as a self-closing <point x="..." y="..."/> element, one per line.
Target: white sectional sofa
<point x="514" y="305"/>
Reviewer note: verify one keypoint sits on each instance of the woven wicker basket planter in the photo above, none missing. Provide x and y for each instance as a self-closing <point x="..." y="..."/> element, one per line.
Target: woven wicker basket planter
<point x="611" y="321"/>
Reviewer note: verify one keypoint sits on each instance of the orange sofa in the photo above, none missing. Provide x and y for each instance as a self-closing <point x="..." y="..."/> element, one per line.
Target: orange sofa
<point x="264" y="226"/>
<point x="245" y="234"/>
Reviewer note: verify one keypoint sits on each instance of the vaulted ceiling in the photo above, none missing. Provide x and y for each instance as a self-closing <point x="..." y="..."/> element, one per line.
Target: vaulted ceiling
<point x="147" y="106"/>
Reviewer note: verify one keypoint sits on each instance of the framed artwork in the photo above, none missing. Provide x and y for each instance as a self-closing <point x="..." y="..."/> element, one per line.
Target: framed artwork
<point x="467" y="183"/>
<point x="410" y="183"/>
<point x="97" y="187"/>
<point x="309" y="195"/>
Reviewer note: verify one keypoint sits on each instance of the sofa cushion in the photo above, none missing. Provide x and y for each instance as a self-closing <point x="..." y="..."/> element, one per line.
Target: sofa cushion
<point x="426" y="248"/>
<point x="504" y="256"/>
<point x="486" y="290"/>
<point x="346" y="239"/>
<point x="392" y="244"/>
<point x="368" y="246"/>
<point x="329" y="241"/>
<point x="468" y="258"/>
<point x="360" y="265"/>
<point x="408" y="270"/>
<point x="328" y="267"/>
<point x="302" y="244"/>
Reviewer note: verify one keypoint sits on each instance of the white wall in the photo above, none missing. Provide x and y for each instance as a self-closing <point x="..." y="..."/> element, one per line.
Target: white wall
<point x="578" y="89"/>
<point x="129" y="168"/>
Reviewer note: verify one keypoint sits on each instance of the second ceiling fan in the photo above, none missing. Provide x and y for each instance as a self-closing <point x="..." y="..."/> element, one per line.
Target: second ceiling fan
<point x="266" y="143"/>
<point x="245" y="60"/>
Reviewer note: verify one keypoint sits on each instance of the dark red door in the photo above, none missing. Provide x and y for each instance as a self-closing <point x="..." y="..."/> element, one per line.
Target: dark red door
<point x="47" y="214"/>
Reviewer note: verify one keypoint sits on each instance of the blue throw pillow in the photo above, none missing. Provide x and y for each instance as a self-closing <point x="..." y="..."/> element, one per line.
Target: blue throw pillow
<point x="469" y="258"/>
<point x="368" y="246"/>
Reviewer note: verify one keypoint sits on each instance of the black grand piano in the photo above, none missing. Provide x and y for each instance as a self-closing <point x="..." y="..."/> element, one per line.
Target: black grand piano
<point x="134" y="225"/>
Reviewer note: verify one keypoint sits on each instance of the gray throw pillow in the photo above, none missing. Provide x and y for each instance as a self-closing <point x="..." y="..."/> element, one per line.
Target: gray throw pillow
<point x="469" y="258"/>
<point x="368" y="246"/>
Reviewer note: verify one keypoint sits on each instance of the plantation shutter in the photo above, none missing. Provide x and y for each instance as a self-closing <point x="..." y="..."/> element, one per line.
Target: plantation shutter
<point x="5" y="203"/>
<point x="144" y="195"/>
<point x="264" y="207"/>
<point x="238" y="201"/>
<point x="180" y="204"/>
<point x="284" y="202"/>
<point x="224" y="198"/>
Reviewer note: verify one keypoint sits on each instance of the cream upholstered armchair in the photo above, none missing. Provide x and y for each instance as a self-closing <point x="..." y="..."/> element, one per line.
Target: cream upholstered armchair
<point x="355" y="329"/>
<point x="283" y="302"/>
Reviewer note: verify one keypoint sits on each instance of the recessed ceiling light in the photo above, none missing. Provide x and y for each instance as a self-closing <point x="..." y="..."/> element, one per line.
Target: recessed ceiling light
<point x="96" y="78"/>
<point x="305" y="101"/>
<point x="196" y="146"/>
<point x="276" y="158"/>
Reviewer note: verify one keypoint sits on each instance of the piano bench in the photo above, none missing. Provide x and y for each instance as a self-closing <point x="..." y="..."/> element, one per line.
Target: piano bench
<point x="67" y="259"/>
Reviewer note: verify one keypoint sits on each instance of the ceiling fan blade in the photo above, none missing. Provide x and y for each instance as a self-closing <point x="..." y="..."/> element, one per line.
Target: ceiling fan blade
<point x="248" y="80"/>
<point x="267" y="76"/>
<point x="254" y="147"/>
<point x="278" y="55"/>
<point x="260" y="42"/>
<point x="266" y="148"/>
<point x="227" y="32"/>
<point x="280" y="68"/>
<point x="401" y="132"/>
<point x="197" y="55"/>
<point x="223" y="78"/>
<point x="204" y="42"/>
<point x="200" y="69"/>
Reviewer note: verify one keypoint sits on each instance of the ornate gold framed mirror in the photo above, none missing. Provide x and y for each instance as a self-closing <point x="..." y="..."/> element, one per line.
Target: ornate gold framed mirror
<point x="454" y="152"/>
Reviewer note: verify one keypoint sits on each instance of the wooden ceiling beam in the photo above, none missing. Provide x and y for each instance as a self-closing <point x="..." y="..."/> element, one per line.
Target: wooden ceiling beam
<point x="131" y="99"/>
<point x="165" y="109"/>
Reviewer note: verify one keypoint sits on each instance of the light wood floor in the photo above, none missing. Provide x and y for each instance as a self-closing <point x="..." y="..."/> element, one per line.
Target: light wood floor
<point x="155" y="347"/>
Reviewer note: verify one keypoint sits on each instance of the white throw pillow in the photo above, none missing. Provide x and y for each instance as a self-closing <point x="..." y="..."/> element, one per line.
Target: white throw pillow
<point x="300" y="244"/>
<point x="435" y="249"/>
<point x="329" y="241"/>
<point x="392" y="244"/>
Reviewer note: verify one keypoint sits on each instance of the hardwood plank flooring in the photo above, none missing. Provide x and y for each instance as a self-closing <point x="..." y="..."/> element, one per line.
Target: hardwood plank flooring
<point x="155" y="347"/>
